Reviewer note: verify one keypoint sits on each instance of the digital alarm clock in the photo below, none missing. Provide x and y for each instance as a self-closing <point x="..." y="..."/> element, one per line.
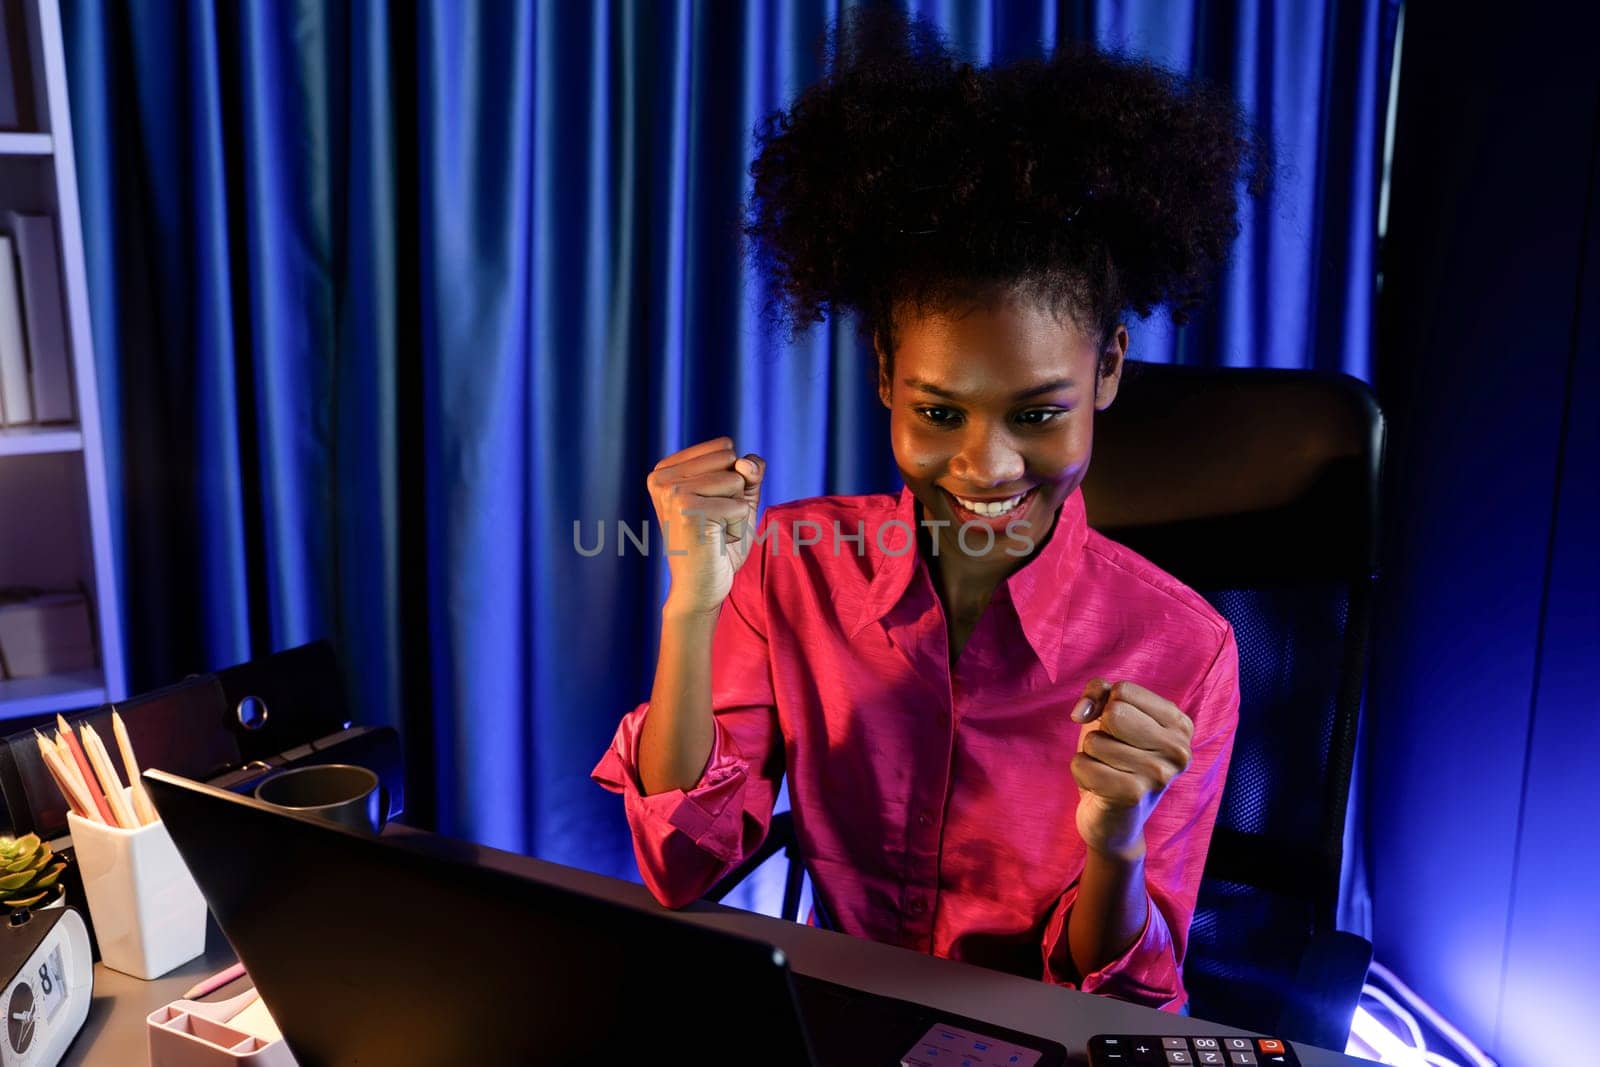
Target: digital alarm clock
<point x="49" y="982"/>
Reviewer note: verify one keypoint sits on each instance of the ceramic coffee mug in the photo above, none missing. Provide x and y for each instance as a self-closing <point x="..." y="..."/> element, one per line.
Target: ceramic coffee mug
<point x="341" y="793"/>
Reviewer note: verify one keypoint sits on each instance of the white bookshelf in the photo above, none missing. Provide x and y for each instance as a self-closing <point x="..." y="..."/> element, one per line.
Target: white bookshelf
<point x="54" y="516"/>
<point x="25" y="144"/>
<point x="39" y="440"/>
<point x="53" y="692"/>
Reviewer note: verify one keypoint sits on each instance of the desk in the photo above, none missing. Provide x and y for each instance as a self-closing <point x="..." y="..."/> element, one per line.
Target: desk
<point x="114" y="1035"/>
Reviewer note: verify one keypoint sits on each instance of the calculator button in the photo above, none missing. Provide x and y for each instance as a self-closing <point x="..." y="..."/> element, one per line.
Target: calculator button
<point x="1175" y="1042"/>
<point x="1178" y="1056"/>
<point x="1114" y="1050"/>
<point x="1240" y="1044"/>
<point x="1270" y="1044"/>
<point x="1208" y="1056"/>
<point x="1206" y="1043"/>
<point x="1243" y="1057"/>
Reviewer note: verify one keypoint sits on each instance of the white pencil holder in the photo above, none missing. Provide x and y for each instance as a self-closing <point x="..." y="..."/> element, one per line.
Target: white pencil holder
<point x="148" y="914"/>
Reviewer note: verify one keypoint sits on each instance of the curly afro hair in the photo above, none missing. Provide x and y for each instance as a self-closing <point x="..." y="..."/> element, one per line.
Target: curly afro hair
<point x="1090" y="182"/>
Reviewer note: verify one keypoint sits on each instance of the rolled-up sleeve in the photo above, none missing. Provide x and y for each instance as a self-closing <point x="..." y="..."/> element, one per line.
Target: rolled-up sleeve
<point x="1177" y="837"/>
<point x="685" y="840"/>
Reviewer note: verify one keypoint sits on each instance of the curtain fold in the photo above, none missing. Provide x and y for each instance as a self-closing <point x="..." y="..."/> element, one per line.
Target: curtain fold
<point x="386" y="298"/>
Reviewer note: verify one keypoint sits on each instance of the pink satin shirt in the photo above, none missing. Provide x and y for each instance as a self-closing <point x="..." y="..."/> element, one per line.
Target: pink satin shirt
<point x="935" y="804"/>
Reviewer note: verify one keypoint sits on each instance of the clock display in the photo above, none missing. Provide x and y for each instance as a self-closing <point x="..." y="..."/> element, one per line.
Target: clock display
<point x="50" y="984"/>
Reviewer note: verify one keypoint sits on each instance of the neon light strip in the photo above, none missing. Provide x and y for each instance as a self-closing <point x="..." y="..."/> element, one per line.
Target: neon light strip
<point x="1435" y="1020"/>
<point x="1355" y="1046"/>
<point x="1386" y="1046"/>
<point x="1405" y="1018"/>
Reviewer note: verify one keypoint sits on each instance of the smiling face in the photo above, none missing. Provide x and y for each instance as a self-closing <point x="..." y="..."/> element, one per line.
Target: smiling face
<point x="989" y="406"/>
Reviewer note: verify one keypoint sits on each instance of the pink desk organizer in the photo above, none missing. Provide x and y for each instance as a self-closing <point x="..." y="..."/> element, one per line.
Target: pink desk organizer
<point x="189" y="1033"/>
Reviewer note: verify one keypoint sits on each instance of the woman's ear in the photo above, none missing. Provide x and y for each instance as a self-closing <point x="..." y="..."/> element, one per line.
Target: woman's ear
<point x="1108" y="367"/>
<point x="885" y="383"/>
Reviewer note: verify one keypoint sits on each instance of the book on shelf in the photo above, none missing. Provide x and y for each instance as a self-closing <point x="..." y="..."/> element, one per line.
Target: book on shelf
<point x="44" y="632"/>
<point x="16" y="395"/>
<point x="44" y="314"/>
<point x="16" y="77"/>
<point x="9" y="118"/>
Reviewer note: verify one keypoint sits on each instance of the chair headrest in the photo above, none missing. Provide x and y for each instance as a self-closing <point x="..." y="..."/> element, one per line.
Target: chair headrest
<point x="1236" y="477"/>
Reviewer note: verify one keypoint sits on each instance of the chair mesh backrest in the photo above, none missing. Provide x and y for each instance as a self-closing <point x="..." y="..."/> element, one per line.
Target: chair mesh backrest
<point x="1291" y="661"/>
<point x="1246" y="940"/>
<point x="1244" y="946"/>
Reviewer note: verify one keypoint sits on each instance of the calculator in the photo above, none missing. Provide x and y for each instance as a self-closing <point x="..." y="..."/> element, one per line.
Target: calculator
<point x="1151" y="1050"/>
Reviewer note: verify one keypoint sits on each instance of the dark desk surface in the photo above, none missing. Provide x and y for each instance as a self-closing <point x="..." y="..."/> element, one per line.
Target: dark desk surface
<point x="114" y="1035"/>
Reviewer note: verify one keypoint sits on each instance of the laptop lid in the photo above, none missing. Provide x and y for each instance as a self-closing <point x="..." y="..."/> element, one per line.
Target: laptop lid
<point x="367" y="950"/>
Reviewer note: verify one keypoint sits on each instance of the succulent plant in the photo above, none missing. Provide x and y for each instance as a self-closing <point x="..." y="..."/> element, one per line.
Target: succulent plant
<point x="27" y="875"/>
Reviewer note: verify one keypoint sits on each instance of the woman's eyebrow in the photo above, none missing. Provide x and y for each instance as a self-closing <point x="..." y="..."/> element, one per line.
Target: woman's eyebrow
<point x="1037" y="390"/>
<point x="1047" y="387"/>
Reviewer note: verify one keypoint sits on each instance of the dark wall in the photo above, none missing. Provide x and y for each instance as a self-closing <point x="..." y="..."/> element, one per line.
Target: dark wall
<point x="1484" y="716"/>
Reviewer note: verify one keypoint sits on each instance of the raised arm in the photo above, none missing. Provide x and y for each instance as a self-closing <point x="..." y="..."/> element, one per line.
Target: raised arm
<point x="699" y="764"/>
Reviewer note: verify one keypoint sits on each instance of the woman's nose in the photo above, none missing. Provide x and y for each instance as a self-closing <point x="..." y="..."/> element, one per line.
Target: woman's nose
<point x="988" y="460"/>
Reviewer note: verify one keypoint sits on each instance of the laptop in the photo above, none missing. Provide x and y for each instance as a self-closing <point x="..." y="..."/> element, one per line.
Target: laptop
<point x="400" y="950"/>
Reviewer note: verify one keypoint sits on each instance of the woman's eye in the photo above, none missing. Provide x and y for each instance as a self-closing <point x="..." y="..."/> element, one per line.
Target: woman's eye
<point x="1040" y="416"/>
<point x="939" y="416"/>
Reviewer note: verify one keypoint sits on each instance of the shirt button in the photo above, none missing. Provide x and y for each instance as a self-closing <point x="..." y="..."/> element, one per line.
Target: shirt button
<point x="918" y="906"/>
<point x="923" y="819"/>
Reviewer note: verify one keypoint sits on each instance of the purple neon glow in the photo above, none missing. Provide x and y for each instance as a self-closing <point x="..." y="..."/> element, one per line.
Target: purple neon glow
<point x="1376" y="1042"/>
<point x="1370" y="1038"/>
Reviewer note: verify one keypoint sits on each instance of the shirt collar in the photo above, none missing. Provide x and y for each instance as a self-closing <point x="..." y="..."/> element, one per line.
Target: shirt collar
<point x="894" y="568"/>
<point x="1041" y="588"/>
<point x="1038" y="590"/>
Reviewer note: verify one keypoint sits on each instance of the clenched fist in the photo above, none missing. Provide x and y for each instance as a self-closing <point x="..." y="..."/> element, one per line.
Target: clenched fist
<point x="705" y="499"/>
<point x="1133" y="744"/>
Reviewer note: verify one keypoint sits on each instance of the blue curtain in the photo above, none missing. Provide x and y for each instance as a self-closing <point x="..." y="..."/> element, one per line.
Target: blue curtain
<point x="386" y="297"/>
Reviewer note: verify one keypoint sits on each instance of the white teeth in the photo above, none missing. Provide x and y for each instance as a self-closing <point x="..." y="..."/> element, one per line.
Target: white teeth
<point x="999" y="507"/>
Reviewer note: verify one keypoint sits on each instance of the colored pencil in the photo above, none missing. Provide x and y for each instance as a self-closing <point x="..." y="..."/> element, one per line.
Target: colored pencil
<point x="75" y="798"/>
<point x="142" y="806"/>
<point x="86" y="771"/>
<point x="215" y="982"/>
<point x="47" y="756"/>
<point x="68" y="767"/>
<point x="100" y="759"/>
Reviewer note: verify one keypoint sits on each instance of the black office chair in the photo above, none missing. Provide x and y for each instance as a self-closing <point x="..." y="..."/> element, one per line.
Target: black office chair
<point x="1259" y="489"/>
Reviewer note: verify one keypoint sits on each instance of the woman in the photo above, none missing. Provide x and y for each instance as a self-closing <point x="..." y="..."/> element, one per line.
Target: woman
<point x="1006" y="737"/>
